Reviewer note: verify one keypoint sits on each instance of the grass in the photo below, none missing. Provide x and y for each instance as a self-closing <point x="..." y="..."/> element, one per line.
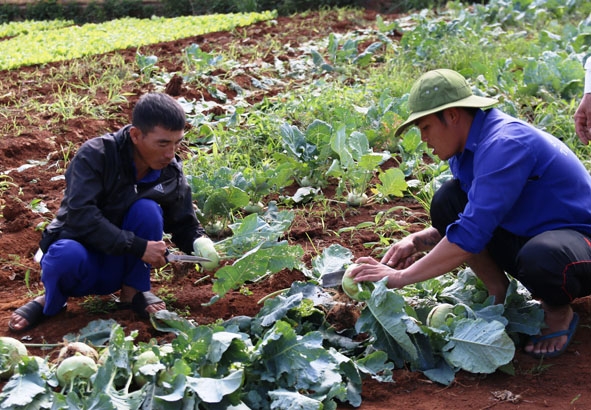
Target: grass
<point x="98" y="305"/>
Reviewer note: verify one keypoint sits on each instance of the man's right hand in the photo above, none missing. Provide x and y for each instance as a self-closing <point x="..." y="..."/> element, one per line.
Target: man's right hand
<point x="155" y="254"/>
<point x="583" y="119"/>
<point x="401" y="255"/>
<point x="406" y="251"/>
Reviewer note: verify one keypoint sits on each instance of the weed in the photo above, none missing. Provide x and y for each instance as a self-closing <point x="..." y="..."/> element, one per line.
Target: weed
<point x="244" y="290"/>
<point x="31" y="293"/>
<point x="167" y="295"/>
<point x="539" y="368"/>
<point x="6" y="183"/>
<point x="97" y="305"/>
<point x="163" y="274"/>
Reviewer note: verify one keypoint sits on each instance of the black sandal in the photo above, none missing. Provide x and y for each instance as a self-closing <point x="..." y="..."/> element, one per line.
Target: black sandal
<point x="142" y="300"/>
<point x="32" y="312"/>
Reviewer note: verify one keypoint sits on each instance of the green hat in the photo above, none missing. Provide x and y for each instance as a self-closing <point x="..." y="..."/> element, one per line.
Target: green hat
<point x="440" y="89"/>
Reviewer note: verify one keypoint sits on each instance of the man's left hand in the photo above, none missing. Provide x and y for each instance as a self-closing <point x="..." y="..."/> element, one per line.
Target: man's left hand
<point x="371" y="270"/>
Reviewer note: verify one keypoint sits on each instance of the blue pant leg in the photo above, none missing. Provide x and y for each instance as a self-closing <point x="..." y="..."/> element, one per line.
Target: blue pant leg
<point x="145" y="219"/>
<point x="68" y="269"/>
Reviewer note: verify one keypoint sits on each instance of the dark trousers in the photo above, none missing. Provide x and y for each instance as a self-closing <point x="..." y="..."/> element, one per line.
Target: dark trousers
<point x="555" y="266"/>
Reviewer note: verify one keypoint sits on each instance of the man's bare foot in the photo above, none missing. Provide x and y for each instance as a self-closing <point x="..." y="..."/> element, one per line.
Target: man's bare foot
<point x="18" y="323"/>
<point x="557" y="319"/>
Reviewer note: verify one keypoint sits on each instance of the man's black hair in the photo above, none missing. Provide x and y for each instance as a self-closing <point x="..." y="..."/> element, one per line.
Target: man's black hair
<point x="158" y="109"/>
<point x="470" y="110"/>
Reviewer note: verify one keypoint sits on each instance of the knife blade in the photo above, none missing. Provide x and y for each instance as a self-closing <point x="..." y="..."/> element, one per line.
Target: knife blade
<point x="332" y="279"/>
<point x="173" y="257"/>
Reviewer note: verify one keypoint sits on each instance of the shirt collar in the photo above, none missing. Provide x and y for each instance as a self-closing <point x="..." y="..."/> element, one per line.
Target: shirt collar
<point x="151" y="176"/>
<point x="475" y="134"/>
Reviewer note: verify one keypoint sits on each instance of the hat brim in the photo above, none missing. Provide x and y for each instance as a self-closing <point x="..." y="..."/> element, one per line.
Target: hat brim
<point x="473" y="101"/>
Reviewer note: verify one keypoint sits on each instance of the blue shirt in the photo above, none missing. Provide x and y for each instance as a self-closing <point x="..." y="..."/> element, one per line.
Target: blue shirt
<point x="519" y="178"/>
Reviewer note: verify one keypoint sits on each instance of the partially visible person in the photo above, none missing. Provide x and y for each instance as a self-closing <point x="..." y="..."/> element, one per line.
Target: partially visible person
<point x="519" y="203"/>
<point x="583" y="114"/>
<point x="123" y="191"/>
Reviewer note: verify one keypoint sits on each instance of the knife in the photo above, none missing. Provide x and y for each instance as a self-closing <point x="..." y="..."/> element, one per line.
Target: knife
<point x="332" y="279"/>
<point x="173" y="257"/>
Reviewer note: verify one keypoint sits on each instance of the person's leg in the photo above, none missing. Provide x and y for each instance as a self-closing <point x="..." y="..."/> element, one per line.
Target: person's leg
<point x="68" y="269"/>
<point x="144" y="218"/>
<point x="555" y="267"/>
<point x="491" y="274"/>
<point x="448" y="202"/>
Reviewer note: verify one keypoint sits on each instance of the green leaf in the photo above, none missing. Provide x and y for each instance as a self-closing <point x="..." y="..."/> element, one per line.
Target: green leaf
<point x="166" y="321"/>
<point x="291" y="400"/>
<point x="213" y="390"/>
<point x="220" y="343"/>
<point x="96" y="333"/>
<point x="383" y="27"/>
<point x="524" y="314"/>
<point x="386" y="319"/>
<point x="276" y="309"/>
<point x="370" y="161"/>
<point x="338" y="143"/>
<point x="176" y="391"/>
<point x="298" y="362"/>
<point x="392" y="183"/>
<point x="294" y="141"/>
<point x="443" y="373"/>
<point x="255" y="264"/>
<point x="478" y="346"/>
<point x="376" y="364"/>
<point x="333" y="258"/>
<point x="256" y="230"/>
<point x="224" y="200"/>
<point x="23" y="390"/>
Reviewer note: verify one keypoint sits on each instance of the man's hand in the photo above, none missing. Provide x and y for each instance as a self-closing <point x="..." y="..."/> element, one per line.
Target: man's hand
<point x="401" y="255"/>
<point x="155" y="254"/>
<point x="583" y="119"/>
<point x="371" y="270"/>
<point x="406" y="251"/>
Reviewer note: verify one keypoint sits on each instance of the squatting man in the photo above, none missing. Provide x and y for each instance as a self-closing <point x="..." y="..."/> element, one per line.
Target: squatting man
<point x="123" y="191"/>
<point x="519" y="203"/>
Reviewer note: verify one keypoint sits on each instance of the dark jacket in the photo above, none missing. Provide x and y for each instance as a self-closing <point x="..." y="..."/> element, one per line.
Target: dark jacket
<point x="101" y="186"/>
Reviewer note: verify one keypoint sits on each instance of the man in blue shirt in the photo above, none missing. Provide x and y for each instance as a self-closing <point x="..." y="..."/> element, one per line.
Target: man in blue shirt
<point x="519" y="202"/>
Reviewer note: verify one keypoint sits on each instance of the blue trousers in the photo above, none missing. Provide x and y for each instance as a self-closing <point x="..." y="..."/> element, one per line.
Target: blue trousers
<point x="70" y="269"/>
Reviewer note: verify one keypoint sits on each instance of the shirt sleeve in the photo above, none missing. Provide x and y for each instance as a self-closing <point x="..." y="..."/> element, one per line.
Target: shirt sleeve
<point x="501" y="170"/>
<point x="85" y="220"/>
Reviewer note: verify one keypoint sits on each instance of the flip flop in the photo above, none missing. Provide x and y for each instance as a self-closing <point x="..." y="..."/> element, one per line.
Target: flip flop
<point x="568" y="332"/>
<point x="32" y="312"/>
<point x="142" y="300"/>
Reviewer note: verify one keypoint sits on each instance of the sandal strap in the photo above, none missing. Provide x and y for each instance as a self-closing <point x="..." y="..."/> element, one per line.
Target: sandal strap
<point x="142" y="300"/>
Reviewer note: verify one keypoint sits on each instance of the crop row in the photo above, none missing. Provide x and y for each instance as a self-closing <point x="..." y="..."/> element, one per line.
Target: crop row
<point x="32" y="46"/>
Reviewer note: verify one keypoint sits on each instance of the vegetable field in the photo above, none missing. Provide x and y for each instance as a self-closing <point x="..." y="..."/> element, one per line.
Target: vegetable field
<point x="296" y="173"/>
